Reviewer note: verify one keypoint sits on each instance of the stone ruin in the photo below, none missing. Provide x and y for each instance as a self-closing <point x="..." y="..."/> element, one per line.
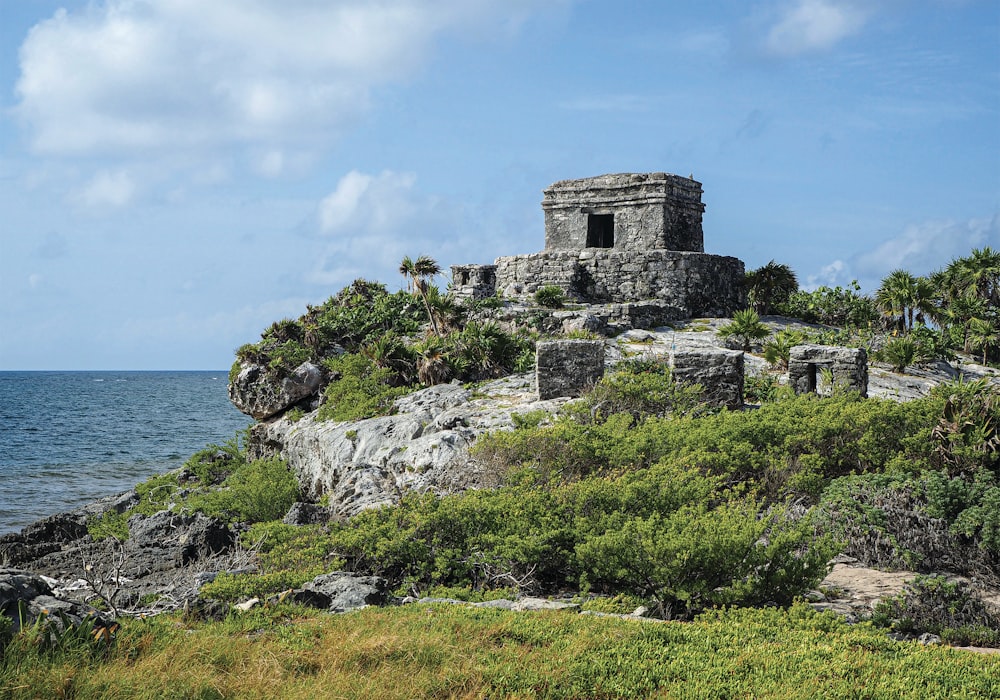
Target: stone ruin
<point x="568" y="367"/>
<point x="620" y="239"/>
<point x="848" y="369"/>
<point x="720" y="373"/>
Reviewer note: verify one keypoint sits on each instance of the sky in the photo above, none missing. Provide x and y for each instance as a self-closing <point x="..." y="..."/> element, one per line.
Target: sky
<point x="175" y="175"/>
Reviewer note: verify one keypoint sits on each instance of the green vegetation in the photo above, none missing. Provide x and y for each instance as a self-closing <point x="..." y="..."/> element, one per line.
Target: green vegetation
<point x="935" y="605"/>
<point x="218" y="481"/>
<point x="370" y="344"/>
<point x="746" y="327"/>
<point x="637" y="494"/>
<point x="550" y="296"/>
<point x="454" y="651"/>
<point x="770" y="286"/>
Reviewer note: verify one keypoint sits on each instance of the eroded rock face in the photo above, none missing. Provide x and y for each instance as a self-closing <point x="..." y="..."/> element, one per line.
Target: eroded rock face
<point x="257" y="392"/>
<point x="424" y="446"/>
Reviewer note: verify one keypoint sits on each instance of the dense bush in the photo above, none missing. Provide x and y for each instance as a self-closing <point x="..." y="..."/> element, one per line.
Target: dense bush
<point x="360" y="389"/>
<point x="550" y="296"/>
<point x="668" y="534"/>
<point x="935" y="605"/>
<point x="838" y="306"/>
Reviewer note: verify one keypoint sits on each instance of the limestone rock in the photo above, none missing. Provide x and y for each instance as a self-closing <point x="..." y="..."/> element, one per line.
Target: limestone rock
<point x="260" y="393"/>
<point x="24" y="597"/>
<point x="423" y="447"/>
<point x="306" y="514"/>
<point x="719" y="371"/>
<point x="341" y="591"/>
<point x="179" y="538"/>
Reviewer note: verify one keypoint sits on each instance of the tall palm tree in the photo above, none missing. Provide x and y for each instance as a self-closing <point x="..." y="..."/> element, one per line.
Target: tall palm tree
<point x="896" y="298"/>
<point x="769" y="286"/>
<point x="418" y="271"/>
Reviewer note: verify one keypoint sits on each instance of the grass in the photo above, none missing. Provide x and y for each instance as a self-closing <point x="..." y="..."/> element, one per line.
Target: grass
<point x="458" y="652"/>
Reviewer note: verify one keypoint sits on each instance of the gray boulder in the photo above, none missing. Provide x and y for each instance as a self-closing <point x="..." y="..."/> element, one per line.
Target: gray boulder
<point x="259" y="392"/>
<point x="306" y="514"/>
<point x="177" y="538"/>
<point x="25" y="597"/>
<point x="341" y="591"/>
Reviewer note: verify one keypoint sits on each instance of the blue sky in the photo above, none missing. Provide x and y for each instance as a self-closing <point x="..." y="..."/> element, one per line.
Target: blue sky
<point x="177" y="174"/>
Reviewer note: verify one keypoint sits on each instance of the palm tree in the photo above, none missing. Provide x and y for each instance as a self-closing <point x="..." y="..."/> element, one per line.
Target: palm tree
<point x="769" y="286"/>
<point x="418" y="271"/>
<point x="896" y="298"/>
<point x="983" y="335"/>
<point x="746" y="327"/>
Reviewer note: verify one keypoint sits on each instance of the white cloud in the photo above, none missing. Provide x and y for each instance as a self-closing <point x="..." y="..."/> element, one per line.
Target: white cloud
<point x="372" y="221"/>
<point x="923" y="248"/>
<point x="814" y="25"/>
<point x="106" y="189"/>
<point x="831" y="275"/>
<point x="919" y="248"/>
<point x="185" y="75"/>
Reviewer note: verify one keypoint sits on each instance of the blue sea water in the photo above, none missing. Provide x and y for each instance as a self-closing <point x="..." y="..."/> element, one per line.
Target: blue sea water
<point x="68" y="438"/>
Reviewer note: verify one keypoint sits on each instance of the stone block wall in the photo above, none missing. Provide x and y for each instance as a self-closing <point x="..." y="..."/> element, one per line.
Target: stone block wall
<point x="473" y="281"/>
<point x="651" y="211"/>
<point x="848" y="365"/>
<point x="568" y="367"/>
<point x="719" y="371"/>
<point x="694" y="284"/>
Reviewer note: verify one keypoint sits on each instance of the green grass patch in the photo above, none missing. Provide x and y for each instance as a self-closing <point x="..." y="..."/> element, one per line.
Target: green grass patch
<point x="457" y="652"/>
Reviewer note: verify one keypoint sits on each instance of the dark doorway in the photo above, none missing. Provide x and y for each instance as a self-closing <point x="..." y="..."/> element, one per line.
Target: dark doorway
<point x="600" y="230"/>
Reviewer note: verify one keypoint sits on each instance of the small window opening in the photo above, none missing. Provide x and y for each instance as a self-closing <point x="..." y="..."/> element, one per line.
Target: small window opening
<point x="600" y="230"/>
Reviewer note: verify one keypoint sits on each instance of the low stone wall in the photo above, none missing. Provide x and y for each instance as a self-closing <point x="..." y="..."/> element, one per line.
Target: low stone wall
<point x="719" y="371"/>
<point x="849" y="367"/>
<point x="695" y="284"/>
<point x="568" y="367"/>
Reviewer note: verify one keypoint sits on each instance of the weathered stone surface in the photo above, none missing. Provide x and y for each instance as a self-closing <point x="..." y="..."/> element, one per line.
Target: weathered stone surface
<point x="423" y="447"/>
<point x="306" y="514"/>
<point x="24" y="597"/>
<point x="848" y="365"/>
<point x="568" y="367"/>
<point x="341" y="591"/>
<point x="180" y="538"/>
<point x="643" y="211"/>
<point x="719" y="371"/>
<point x="691" y="284"/>
<point x="473" y="281"/>
<point x="258" y="392"/>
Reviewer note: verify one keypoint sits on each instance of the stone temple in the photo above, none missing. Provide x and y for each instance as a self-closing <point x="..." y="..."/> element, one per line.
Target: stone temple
<point x="619" y="239"/>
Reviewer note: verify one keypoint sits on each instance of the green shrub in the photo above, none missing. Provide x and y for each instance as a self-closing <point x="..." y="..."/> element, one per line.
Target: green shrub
<point x="258" y="491"/>
<point x="946" y="608"/>
<point x="640" y="388"/>
<point x="361" y="391"/>
<point x="779" y="347"/>
<point x="746" y="327"/>
<point x="550" y="296"/>
<point x="666" y="532"/>
<point x="900" y="353"/>
<point x="838" y="306"/>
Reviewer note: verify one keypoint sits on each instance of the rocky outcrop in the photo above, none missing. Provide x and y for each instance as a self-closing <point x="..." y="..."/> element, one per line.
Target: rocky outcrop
<point x="261" y="393"/>
<point x="423" y="447"/>
<point x="342" y="591"/>
<point x="26" y="597"/>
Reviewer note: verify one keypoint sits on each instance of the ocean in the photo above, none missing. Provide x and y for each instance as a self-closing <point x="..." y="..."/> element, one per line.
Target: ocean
<point x="68" y="438"/>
